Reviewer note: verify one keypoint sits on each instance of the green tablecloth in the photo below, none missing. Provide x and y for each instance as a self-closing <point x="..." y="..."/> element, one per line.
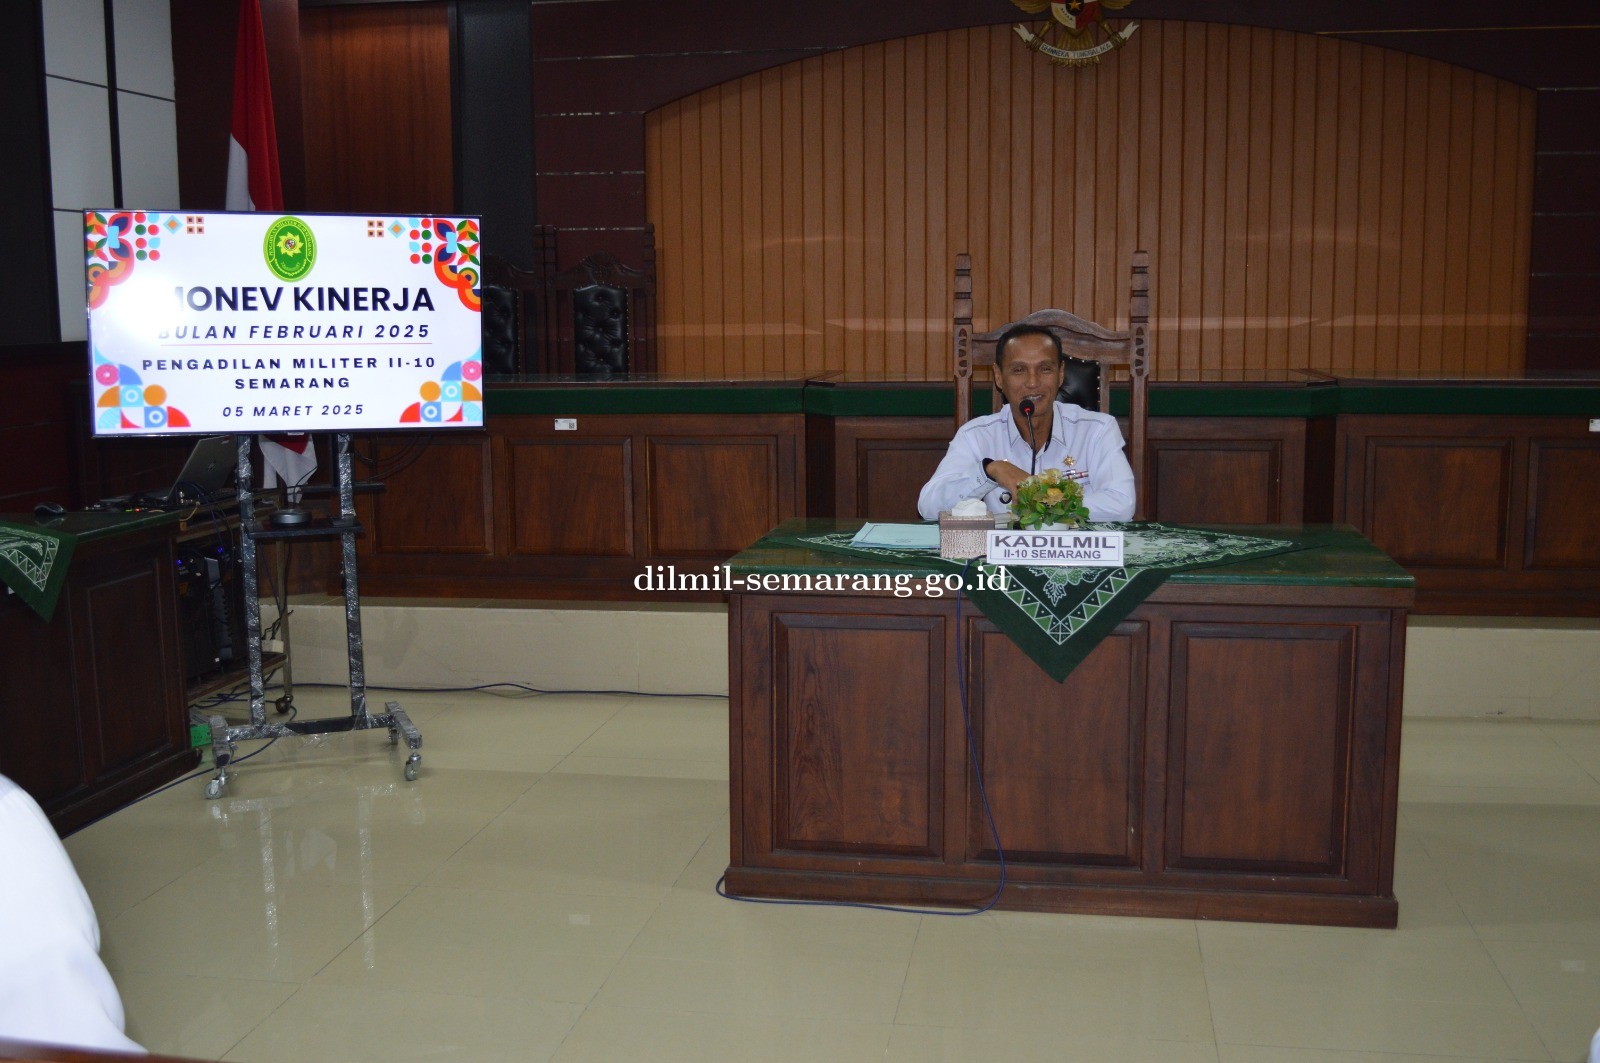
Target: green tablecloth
<point x="33" y="562"/>
<point x="1057" y="615"/>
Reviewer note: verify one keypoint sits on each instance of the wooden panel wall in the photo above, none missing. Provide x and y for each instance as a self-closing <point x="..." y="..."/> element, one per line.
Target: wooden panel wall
<point x="376" y="87"/>
<point x="530" y="509"/>
<point x="1307" y="202"/>
<point x="1564" y="278"/>
<point x="1227" y="470"/>
<point x="1492" y="515"/>
<point x="44" y="428"/>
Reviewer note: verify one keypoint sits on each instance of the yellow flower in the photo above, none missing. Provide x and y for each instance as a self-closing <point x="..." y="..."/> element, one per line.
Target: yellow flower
<point x="1053" y="496"/>
<point x="1052" y="476"/>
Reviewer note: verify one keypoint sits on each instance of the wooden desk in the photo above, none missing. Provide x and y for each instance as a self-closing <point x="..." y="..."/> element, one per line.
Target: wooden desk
<point x="92" y="710"/>
<point x="1231" y="751"/>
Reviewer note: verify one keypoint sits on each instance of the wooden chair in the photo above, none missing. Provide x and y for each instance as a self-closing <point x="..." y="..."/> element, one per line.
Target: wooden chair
<point x="597" y="318"/>
<point x="1093" y="354"/>
<point x="509" y="295"/>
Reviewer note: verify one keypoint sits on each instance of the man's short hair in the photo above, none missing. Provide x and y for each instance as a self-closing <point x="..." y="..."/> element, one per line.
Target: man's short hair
<point x="1018" y="331"/>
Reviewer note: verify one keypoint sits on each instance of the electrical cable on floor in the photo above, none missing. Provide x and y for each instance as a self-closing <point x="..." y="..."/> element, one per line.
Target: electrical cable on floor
<point x="241" y="692"/>
<point x="977" y="771"/>
<point x="512" y="690"/>
<point x="280" y="594"/>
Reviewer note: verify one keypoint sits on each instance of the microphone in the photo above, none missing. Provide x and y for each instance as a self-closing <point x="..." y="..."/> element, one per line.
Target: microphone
<point x="1026" y="406"/>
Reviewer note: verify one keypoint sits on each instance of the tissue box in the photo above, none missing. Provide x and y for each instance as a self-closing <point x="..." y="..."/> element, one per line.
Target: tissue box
<point x="964" y="537"/>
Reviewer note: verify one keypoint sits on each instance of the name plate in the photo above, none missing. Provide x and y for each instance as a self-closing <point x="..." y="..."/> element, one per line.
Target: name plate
<point x="1088" y="549"/>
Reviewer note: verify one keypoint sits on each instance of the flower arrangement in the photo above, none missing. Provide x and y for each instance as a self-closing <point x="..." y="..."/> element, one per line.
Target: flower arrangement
<point x="1048" y="498"/>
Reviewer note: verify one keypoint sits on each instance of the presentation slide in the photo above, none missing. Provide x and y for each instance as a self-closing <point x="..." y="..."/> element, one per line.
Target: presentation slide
<point x="228" y="322"/>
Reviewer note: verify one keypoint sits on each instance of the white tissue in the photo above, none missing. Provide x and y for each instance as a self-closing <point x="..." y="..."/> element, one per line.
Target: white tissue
<point x="969" y="507"/>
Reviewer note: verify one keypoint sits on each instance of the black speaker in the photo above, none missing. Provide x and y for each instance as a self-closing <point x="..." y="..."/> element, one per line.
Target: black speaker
<point x="210" y="609"/>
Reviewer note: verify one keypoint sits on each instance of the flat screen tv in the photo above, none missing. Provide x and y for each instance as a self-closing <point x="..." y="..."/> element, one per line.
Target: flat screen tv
<point x="212" y="322"/>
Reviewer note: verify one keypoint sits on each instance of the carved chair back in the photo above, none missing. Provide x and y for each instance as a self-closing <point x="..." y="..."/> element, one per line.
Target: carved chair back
<point x="599" y="317"/>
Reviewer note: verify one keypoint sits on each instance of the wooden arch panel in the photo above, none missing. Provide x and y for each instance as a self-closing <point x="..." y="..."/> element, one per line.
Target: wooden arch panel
<point x="1307" y="203"/>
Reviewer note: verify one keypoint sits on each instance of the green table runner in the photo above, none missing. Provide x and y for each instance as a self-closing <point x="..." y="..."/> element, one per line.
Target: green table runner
<point x="1058" y="615"/>
<point x="33" y="562"/>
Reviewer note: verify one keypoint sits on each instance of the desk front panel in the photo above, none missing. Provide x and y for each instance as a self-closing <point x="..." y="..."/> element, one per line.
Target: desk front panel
<point x="1063" y="764"/>
<point x="860" y="742"/>
<point x="92" y="710"/>
<point x="1233" y="760"/>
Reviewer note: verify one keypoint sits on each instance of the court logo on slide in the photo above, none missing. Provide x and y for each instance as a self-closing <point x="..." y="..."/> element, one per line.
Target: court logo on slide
<point x="290" y="248"/>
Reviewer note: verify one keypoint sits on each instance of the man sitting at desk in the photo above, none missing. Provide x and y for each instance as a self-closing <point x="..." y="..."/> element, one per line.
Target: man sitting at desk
<point x="990" y="456"/>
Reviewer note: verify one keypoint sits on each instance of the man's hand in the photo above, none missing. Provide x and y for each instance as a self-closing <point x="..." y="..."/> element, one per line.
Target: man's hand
<point x="1006" y="474"/>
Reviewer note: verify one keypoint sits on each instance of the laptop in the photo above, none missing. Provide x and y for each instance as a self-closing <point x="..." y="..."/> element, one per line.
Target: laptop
<point x="207" y="474"/>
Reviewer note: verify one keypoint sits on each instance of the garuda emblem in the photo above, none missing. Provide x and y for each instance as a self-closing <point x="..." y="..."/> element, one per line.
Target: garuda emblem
<point x="1068" y="35"/>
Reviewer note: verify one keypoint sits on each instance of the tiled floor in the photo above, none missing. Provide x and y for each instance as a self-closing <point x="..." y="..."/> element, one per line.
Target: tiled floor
<point x="544" y="892"/>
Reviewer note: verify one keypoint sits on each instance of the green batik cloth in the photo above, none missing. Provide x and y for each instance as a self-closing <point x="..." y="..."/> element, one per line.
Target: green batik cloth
<point x="1057" y="615"/>
<point x="33" y="562"/>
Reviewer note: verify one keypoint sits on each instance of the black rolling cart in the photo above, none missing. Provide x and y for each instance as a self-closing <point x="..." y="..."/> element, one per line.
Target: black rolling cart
<point x="345" y="527"/>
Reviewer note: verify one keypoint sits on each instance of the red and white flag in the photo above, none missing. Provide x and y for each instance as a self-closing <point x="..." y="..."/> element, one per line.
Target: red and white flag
<point x="287" y="456"/>
<point x="253" y="182"/>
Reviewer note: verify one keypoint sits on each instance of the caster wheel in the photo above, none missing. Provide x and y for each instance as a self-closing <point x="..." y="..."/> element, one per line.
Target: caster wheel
<point x="213" y="790"/>
<point x="282" y="705"/>
<point x="412" y="764"/>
